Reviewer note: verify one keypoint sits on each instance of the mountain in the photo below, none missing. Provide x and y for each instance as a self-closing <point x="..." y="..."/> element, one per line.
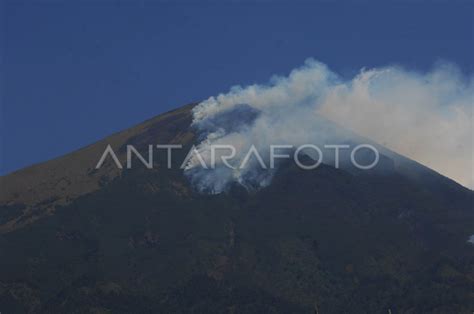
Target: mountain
<point x="75" y="239"/>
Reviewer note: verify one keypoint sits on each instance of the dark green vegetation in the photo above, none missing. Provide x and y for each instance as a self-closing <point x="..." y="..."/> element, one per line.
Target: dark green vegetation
<point x="325" y="240"/>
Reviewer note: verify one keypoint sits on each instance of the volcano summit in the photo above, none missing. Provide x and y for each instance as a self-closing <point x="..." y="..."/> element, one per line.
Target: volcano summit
<point x="75" y="239"/>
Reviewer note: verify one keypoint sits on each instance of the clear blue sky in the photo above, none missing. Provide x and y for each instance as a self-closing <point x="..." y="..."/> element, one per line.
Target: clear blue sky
<point x="74" y="72"/>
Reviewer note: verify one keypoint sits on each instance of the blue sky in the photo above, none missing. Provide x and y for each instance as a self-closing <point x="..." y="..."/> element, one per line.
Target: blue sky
<point x="74" y="72"/>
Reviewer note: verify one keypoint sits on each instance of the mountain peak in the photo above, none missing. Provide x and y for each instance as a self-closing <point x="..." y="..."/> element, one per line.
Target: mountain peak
<point x="147" y="240"/>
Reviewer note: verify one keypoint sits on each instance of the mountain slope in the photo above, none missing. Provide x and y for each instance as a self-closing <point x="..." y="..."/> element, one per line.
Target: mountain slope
<point x="33" y="192"/>
<point x="143" y="241"/>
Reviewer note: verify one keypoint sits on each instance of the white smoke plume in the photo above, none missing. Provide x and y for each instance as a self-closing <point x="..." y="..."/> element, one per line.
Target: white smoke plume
<point x="424" y="116"/>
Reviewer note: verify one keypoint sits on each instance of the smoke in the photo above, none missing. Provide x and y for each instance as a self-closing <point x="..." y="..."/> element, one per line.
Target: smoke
<point x="424" y="116"/>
